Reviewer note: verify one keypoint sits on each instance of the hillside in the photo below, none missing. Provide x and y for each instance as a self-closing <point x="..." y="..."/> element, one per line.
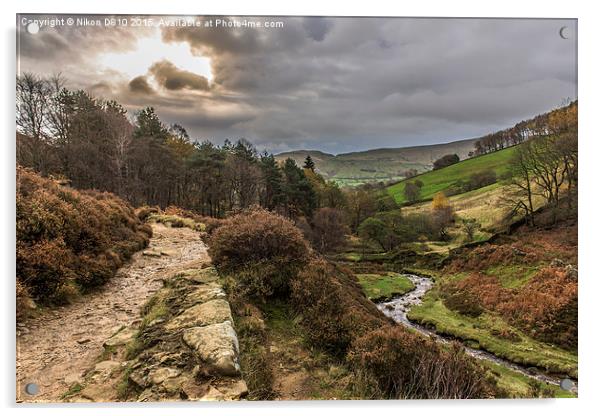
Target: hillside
<point x="441" y="179"/>
<point x="378" y="164"/>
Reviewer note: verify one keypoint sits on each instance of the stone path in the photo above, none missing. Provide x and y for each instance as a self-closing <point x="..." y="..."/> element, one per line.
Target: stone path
<point x="55" y="349"/>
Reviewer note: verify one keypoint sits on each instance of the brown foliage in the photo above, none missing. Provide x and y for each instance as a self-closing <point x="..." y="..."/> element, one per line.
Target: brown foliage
<point x="401" y="364"/>
<point x="333" y="308"/>
<point x="66" y="236"/>
<point x="546" y="307"/>
<point x="263" y="250"/>
<point x="329" y="229"/>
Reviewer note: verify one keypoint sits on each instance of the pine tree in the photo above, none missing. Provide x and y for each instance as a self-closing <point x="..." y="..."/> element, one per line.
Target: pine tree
<point x="309" y="163"/>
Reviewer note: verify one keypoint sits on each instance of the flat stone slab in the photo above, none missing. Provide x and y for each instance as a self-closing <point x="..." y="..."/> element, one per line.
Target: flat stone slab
<point x="205" y="275"/>
<point x="203" y="314"/>
<point x="215" y="345"/>
<point x="108" y="365"/>
<point x="121" y="338"/>
<point x="205" y="293"/>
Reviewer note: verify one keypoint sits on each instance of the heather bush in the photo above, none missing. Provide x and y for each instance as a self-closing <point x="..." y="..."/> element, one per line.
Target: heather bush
<point x="262" y="250"/>
<point x="332" y="306"/>
<point x="70" y="240"/>
<point x="399" y="364"/>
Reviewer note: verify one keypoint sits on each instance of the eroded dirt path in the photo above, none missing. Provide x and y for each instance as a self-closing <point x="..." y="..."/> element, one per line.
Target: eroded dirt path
<point x="55" y="349"/>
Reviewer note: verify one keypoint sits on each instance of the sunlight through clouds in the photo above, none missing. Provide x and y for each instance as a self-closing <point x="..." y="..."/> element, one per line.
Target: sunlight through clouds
<point x="150" y="50"/>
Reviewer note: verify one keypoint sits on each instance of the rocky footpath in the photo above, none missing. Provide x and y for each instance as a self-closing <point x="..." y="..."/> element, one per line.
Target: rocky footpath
<point x="183" y="347"/>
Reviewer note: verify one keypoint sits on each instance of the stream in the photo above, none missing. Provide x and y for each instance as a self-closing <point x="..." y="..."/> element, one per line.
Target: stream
<point x="398" y="309"/>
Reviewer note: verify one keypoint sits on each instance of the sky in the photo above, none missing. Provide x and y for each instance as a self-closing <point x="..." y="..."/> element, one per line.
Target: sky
<point x="323" y="83"/>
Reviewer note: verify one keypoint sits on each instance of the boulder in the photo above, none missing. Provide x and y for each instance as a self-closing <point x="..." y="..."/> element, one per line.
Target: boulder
<point x="215" y="345"/>
<point x="203" y="314"/>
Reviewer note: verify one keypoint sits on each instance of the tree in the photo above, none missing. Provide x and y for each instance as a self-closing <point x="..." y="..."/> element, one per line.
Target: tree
<point x="412" y="191"/>
<point x="470" y="226"/>
<point x="300" y="196"/>
<point x="329" y="229"/>
<point x="445" y="161"/>
<point x="272" y="192"/>
<point x="32" y="101"/>
<point x="373" y="229"/>
<point x="442" y="213"/>
<point x="362" y="203"/>
<point x="410" y="173"/>
<point x="309" y="163"/>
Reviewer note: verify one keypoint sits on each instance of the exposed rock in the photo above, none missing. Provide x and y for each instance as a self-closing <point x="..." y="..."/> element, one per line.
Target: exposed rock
<point x="106" y="366"/>
<point x="216" y="345"/>
<point x="121" y="338"/>
<point x="83" y="340"/>
<point x="208" y="313"/>
<point x="151" y="253"/>
<point x="72" y="379"/>
<point x="205" y="293"/>
<point x="234" y="391"/>
<point x="557" y="263"/>
<point x="206" y="275"/>
<point x="161" y="374"/>
<point x="213" y="394"/>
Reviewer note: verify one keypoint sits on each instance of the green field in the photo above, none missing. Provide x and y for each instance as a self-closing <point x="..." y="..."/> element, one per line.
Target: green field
<point x="384" y="286"/>
<point x="441" y="179"/>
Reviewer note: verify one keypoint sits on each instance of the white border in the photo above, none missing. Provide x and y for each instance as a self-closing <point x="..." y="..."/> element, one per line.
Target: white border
<point x="589" y="235"/>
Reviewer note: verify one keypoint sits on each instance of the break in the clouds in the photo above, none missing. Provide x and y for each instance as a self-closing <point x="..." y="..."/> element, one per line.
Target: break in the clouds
<point x="334" y="84"/>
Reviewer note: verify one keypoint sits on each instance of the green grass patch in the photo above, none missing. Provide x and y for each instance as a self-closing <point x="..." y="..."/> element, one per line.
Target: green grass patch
<point x="513" y="276"/>
<point x="441" y="179"/>
<point x="73" y="390"/>
<point x="384" y="286"/>
<point x="518" y="385"/>
<point x="479" y="333"/>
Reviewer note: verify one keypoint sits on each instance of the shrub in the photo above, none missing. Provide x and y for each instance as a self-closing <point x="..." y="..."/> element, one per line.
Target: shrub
<point x="68" y="239"/>
<point x="263" y="250"/>
<point x="463" y="303"/>
<point x="333" y="307"/>
<point x="324" y="314"/>
<point x="402" y="364"/>
<point x="445" y="161"/>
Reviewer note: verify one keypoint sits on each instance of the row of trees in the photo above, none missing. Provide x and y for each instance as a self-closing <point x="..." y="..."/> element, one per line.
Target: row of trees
<point x="94" y="144"/>
<point x="538" y="126"/>
<point x="546" y="167"/>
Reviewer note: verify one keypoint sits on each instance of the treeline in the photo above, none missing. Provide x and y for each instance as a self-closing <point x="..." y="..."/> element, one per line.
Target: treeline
<point x="94" y="144"/>
<point x="546" y="167"/>
<point x="539" y="126"/>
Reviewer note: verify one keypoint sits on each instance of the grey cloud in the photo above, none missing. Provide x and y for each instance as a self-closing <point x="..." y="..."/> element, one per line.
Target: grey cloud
<point x="342" y="84"/>
<point x="317" y="27"/>
<point x="140" y="85"/>
<point x="173" y="78"/>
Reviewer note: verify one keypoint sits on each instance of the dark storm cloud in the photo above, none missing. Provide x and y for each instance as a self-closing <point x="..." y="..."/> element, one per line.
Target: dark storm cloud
<point x="171" y="77"/>
<point x="341" y="84"/>
<point x="74" y="42"/>
<point x="140" y="85"/>
<point x="317" y="27"/>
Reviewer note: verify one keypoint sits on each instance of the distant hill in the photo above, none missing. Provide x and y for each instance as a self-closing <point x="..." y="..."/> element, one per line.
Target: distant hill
<point x="378" y="164"/>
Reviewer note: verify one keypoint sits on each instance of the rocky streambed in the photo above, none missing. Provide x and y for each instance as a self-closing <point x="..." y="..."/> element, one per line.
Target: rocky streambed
<point x="398" y="309"/>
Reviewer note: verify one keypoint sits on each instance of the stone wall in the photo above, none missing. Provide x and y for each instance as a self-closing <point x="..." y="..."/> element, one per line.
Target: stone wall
<point x="183" y="347"/>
